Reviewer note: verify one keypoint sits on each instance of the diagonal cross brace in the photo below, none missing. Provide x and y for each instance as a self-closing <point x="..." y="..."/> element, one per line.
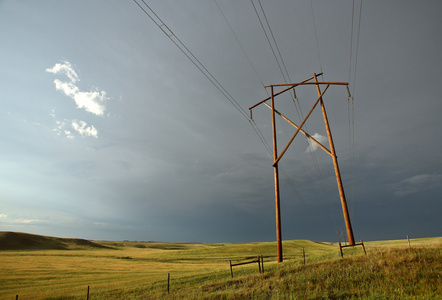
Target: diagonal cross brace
<point x="300" y="126"/>
<point x="299" y="129"/>
<point x="302" y="131"/>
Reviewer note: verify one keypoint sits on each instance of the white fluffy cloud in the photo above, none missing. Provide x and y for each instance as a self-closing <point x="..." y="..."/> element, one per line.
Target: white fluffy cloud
<point x="312" y="146"/>
<point x="63" y="128"/>
<point x="84" y="130"/>
<point x="60" y="128"/>
<point x="65" y="68"/>
<point x="92" y="101"/>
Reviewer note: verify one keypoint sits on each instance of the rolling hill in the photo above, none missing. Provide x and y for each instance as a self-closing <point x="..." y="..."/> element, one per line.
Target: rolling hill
<point x="26" y="241"/>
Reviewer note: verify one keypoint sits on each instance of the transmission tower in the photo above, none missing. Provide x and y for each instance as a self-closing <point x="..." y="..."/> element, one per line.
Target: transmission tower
<point x="277" y="156"/>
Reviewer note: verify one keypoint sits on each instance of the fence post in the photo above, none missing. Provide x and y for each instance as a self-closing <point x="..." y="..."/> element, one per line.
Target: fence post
<point x="262" y="263"/>
<point x="408" y="238"/>
<point x="16" y="297"/>
<point x="87" y="293"/>
<point x="168" y="283"/>
<point x="303" y="254"/>
<point x="231" y="271"/>
<point x="340" y="249"/>
<point x="259" y="264"/>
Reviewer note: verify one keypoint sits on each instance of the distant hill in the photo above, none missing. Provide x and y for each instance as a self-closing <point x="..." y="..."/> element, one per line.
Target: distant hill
<point x="26" y="241"/>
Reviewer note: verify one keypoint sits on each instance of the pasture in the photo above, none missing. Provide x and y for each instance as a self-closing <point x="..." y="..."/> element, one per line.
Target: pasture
<point x="139" y="270"/>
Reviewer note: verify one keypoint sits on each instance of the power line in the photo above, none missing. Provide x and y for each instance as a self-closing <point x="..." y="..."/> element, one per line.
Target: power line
<point x="316" y="35"/>
<point x="240" y="44"/>
<point x="351" y="139"/>
<point x="255" y="127"/>
<point x="351" y="39"/>
<point x="312" y="154"/>
<point x="286" y="79"/>
<point x="357" y="48"/>
<point x="169" y="33"/>
<point x="274" y="40"/>
<point x="350" y="69"/>
<point x="351" y="97"/>
<point x="295" y="99"/>
<point x="268" y="39"/>
<point x="189" y="54"/>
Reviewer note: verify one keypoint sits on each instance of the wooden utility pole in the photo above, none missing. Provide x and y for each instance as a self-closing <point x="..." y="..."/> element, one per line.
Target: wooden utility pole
<point x="351" y="238"/>
<point x="276" y="173"/>
<point x="277" y="158"/>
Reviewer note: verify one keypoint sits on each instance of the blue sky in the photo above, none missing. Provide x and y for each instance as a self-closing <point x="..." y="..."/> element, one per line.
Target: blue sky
<point x="108" y="131"/>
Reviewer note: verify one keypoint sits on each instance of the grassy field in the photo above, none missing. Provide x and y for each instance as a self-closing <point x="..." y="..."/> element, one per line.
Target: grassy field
<point x="139" y="270"/>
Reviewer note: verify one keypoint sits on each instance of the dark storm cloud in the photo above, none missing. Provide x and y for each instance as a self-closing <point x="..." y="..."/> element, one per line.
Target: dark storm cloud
<point x="176" y="161"/>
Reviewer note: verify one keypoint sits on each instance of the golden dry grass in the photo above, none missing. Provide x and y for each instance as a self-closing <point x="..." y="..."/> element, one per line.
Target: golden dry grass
<point x="138" y="270"/>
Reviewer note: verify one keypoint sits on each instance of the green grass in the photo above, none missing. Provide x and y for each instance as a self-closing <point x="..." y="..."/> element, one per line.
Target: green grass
<point x="138" y="270"/>
<point x="394" y="274"/>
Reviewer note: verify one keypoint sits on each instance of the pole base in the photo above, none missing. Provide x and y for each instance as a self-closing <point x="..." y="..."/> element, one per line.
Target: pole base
<point x="353" y="245"/>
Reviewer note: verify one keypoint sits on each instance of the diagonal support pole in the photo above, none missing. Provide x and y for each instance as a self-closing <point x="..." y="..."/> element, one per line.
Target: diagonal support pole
<point x="351" y="238"/>
<point x="299" y="129"/>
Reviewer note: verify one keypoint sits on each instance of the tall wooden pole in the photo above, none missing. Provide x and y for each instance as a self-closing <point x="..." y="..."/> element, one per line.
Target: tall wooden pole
<point x="276" y="172"/>
<point x="351" y="238"/>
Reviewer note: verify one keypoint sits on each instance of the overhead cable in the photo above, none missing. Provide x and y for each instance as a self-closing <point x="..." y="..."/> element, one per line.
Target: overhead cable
<point x="357" y="48"/>
<point x="180" y="45"/>
<point x="351" y="97"/>
<point x="169" y="33"/>
<point x="240" y="44"/>
<point x="351" y="43"/>
<point x="256" y="128"/>
<point x="268" y="39"/>
<point x="285" y="74"/>
<point x="316" y="35"/>
<point x="287" y="79"/>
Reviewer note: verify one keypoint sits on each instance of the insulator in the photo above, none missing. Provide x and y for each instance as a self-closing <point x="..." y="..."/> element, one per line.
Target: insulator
<point x="348" y="91"/>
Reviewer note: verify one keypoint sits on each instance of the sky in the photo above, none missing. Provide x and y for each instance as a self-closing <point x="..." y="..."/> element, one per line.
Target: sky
<point x="108" y="131"/>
